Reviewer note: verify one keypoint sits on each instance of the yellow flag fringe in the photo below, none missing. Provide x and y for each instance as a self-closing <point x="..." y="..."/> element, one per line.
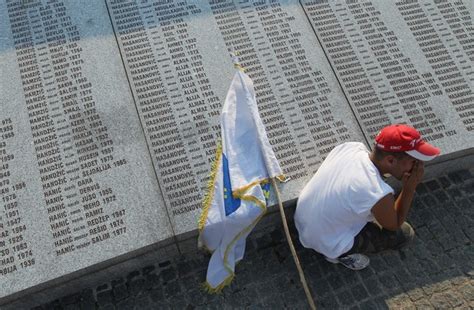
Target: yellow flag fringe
<point x="240" y="90"/>
<point x="216" y="290"/>
<point x="210" y="188"/>
<point x="238" y="194"/>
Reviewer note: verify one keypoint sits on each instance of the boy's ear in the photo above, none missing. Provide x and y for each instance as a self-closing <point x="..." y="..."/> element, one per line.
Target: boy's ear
<point x="391" y="160"/>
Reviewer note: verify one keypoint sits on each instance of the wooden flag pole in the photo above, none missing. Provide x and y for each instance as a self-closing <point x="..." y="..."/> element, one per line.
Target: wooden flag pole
<point x="237" y="65"/>
<point x="292" y="248"/>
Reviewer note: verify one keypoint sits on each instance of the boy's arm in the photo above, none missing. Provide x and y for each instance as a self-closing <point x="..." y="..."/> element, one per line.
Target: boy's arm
<point x="391" y="213"/>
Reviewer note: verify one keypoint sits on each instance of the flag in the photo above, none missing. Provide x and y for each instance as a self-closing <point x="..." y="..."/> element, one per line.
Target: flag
<point x="239" y="185"/>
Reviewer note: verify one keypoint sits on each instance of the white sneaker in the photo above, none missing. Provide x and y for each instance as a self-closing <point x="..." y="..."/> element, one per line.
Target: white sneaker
<point x="352" y="261"/>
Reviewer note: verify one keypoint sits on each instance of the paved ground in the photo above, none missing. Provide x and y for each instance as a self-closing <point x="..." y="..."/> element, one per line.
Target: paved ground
<point x="435" y="272"/>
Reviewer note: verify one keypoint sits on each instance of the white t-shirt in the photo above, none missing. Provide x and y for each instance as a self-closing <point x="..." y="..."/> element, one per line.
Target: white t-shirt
<point x="336" y="203"/>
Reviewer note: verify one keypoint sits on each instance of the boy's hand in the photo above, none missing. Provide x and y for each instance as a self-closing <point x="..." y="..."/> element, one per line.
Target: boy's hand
<point x="411" y="179"/>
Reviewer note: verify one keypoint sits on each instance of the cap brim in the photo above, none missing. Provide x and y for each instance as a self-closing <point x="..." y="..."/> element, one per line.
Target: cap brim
<point x="424" y="152"/>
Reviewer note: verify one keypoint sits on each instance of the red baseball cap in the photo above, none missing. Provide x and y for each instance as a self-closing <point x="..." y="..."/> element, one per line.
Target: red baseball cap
<point x="404" y="138"/>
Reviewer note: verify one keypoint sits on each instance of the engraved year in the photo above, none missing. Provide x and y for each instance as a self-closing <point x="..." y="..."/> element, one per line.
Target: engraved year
<point x="27" y="263"/>
<point x="120" y="231"/>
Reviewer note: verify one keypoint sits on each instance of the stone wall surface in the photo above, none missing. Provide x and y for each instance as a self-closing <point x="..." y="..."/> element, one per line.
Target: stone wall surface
<point x="109" y="110"/>
<point x="78" y="186"/>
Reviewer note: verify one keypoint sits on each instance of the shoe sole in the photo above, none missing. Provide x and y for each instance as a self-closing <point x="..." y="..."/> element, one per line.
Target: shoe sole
<point x="335" y="261"/>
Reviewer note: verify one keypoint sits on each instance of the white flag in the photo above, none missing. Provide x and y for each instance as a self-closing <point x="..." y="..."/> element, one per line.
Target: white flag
<point x="236" y="198"/>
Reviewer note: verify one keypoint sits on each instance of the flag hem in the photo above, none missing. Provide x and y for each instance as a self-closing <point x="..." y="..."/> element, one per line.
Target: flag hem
<point x="238" y="193"/>
<point x="227" y="231"/>
<point x="215" y="290"/>
<point x="210" y="189"/>
<point x="231" y="276"/>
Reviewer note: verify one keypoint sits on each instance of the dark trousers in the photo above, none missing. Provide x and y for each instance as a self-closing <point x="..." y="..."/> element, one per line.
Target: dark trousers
<point x="373" y="239"/>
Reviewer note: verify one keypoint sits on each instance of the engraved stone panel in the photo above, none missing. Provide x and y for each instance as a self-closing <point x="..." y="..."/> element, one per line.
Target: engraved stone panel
<point x="77" y="185"/>
<point x="176" y="54"/>
<point x="109" y="109"/>
<point x="403" y="61"/>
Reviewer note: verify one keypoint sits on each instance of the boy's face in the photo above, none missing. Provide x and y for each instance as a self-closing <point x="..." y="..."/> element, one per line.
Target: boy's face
<point x="403" y="165"/>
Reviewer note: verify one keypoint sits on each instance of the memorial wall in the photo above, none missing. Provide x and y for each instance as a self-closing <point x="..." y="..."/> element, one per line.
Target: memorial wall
<point x="109" y="109"/>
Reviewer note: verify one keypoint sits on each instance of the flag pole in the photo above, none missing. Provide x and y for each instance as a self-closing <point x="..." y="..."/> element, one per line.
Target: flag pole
<point x="292" y="248"/>
<point x="235" y="60"/>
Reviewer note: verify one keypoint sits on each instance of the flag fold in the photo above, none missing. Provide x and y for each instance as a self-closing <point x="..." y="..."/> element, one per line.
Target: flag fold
<point x="239" y="184"/>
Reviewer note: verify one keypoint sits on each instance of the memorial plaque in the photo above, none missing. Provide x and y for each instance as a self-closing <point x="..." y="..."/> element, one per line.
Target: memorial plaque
<point x="176" y="54"/>
<point x="77" y="185"/>
<point x="403" y="61"/>
<point x="109" y="110"/>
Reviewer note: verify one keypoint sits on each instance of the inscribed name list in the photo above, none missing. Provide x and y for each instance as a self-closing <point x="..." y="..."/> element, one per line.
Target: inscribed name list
<point x="77" y="185"/>
<point x="403" y="62"/>
<point x="177" y="57"/>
